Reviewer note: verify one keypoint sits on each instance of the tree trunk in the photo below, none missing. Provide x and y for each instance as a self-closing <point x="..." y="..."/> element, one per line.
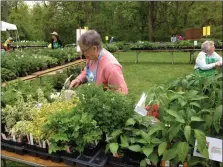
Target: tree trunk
<point x="96" y="5"/>
<point x="4" y="11"/>
<point x="5" y="14"/>
<point x="150" y="19"/>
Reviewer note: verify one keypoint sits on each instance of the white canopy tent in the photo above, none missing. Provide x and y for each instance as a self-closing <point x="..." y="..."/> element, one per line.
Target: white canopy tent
<point x="7" y="26"/>
<point x="10" y="27"/>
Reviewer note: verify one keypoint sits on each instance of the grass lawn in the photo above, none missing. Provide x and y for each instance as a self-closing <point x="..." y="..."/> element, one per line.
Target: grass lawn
<point x="152" y="69"/>
<point x="14" y="164"/>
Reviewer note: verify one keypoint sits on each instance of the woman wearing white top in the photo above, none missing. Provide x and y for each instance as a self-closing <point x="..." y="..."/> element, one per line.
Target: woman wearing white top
<point x="207" y="60"/>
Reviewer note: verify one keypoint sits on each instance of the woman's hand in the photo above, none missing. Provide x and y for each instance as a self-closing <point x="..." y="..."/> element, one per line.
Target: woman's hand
<point x="75" y="83"/>
<point x="218" y="64"/>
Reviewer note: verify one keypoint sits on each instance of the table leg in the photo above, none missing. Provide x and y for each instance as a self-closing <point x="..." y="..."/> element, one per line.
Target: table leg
<point x="172" y="56"/>
<point x="4" y="163"/>
<point x="190" y="58"/>
<point x="137" y="57"/>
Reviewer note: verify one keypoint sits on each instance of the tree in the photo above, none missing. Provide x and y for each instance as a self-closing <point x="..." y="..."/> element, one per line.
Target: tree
<point x="125" y="21"/>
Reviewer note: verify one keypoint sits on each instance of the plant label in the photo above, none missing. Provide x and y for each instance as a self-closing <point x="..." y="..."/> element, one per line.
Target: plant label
<point x="214" y="149"/>
<point x="44" y="144"/>
<point x="195" y="43"/>
<point x="140" y="111"/>
<point x="31" y="139"/>
<point x="28" y="138"/>
<point x="140" y="106"/>
<point x="13" y="138"/>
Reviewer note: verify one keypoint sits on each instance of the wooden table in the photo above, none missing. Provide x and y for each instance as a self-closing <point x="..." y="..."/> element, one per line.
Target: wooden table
<point x="28" y="160"/>
<point x="191" y="51"/>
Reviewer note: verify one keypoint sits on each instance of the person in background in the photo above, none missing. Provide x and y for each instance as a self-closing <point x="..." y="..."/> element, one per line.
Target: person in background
<point x="8" y="43"/>
<point x="102" y="67"/>
<point x="180" y="38"/>
<point x="173" y="38"/>
<point x="207" y="60"/>
<point x="56" y="42"/>
<point x="111" y="40"/>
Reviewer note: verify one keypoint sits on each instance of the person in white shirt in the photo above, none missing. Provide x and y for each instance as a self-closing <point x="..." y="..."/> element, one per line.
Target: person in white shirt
<point x="207" y="60"/>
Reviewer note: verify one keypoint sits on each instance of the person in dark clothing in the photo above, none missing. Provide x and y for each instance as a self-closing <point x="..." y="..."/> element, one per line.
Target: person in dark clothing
<point x="56" y="42"/>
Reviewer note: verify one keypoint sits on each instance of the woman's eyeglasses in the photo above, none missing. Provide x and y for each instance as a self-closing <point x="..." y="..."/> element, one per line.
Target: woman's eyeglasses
<point x="83" y="51"/>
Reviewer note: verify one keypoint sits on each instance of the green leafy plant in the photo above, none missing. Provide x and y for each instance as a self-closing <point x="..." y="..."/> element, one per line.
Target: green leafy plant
<point x="67" y="128"/>
<point x="139" y="135"/>
<point x="21" y="111"/>
<point x="183" y="121"/>
<point x="25" y="62"/>
<point x="7" y="74"/>
<point x="109" y="109"/>
<point x="111" y="47"/>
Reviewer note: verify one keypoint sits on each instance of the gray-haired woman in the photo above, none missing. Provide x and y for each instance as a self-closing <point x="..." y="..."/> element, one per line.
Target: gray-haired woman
<point x="207" y="60"/>
<point x="102" y="67"/>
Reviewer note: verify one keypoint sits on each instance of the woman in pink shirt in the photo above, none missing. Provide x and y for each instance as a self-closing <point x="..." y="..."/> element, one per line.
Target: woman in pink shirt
<point x="101" y="67"/>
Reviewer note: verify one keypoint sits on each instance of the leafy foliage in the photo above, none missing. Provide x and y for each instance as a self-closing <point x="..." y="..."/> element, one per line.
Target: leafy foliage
<point x="28" y="61"/>
<point x="118" y="19"/>
<point x="182" y="120"/>
<point x="48" y="84"/>
<point x="21" y="111"/>
<point x="68" y="128"/>
<point x="7" y="74"/>
<point x="108" y="108"/>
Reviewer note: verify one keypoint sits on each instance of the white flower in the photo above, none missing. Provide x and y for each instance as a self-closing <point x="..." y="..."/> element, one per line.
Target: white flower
<point x="54" y="95"/>
<point x="39" y="105"/>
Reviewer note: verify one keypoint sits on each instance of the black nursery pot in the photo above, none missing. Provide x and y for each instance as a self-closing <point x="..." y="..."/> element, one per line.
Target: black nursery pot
<point x="40" y="149"/>
<point x="9" y="148"/>
<point x="111" y="158"/>
<point x="134" y="155"/>
<point x="100" y="159"/>
<point x="43" y="155"/>
<point x="36" y="148"/>
<point x="56" y="157"/>
<point x="91" y="150"/>
<point x="70" y="158"/>
<point x="29" y="146"/>
<point x="133" y="158"/>
<point x="73" y="154"/>
<point x="13" y="143"/>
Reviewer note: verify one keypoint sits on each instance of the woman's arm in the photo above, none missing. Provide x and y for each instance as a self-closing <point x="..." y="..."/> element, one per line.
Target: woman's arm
<point x="82" y="77"/>
<point x="201" y="62"/>
<point x="115" y="78"/>
<point x="218" y="57"/>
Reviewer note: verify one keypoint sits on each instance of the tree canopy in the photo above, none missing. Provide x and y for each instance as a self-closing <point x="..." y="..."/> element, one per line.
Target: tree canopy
<point x="124" y="20"/>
